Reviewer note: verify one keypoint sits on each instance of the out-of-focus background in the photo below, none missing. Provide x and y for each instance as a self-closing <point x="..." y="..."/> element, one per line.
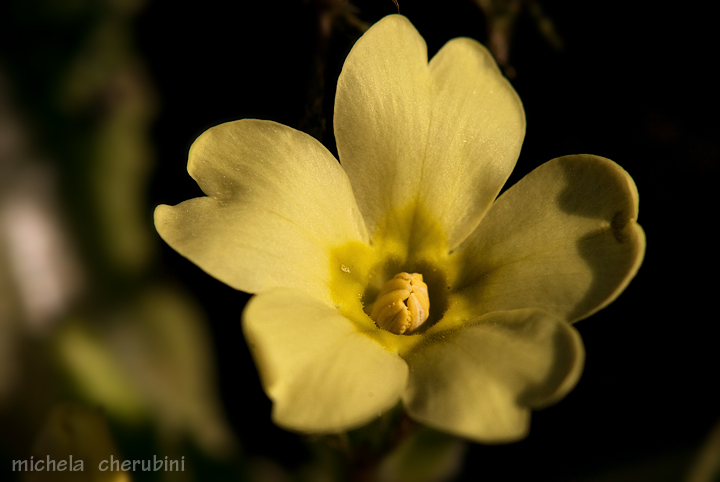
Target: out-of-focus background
<point x="99" y="103"/>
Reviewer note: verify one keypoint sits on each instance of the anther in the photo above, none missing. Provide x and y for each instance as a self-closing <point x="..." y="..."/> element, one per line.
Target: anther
<point x="402" y="305"/>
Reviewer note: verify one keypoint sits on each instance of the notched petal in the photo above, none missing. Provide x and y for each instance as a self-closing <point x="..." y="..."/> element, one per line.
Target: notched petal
<point x="277" y="203"/>
<point x="320" y="372"/>
<point x="563" y="239"/>
<point x="481" y="381"/>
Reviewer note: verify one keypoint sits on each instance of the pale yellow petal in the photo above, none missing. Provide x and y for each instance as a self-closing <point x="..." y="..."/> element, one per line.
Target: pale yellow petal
<point x="320" y="372"/>
<point x="477" y="129"/>
<point x="382" y="116"/>
<point x="277" y="201"/>
<point x="481" y="381"/>
<point x="563" y="239"/>
<point x="443" y="135"/>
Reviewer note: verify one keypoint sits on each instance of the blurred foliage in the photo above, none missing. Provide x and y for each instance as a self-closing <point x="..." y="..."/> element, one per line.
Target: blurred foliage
<point x="75" y="435"/>
<point x="128" y="341"/>
<point x="153" y="358"/>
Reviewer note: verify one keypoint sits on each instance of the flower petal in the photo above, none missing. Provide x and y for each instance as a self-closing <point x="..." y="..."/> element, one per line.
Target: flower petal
<point x="563" y="239"/>
<point x="320" y="372"/>
<point x="382" y="115"/>
<point x="480" y="381"/>
<point x="477" y="129"/>
<point x="445" y="134"/>
<point x="277" y="201"/>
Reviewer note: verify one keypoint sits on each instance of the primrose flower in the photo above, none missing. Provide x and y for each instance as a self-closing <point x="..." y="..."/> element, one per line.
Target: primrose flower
<point x="396" y="275"/>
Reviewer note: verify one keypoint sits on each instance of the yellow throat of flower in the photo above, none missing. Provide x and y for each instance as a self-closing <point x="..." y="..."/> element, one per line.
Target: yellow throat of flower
<point x="402" y="305"/>
<point x="398" y="285"/>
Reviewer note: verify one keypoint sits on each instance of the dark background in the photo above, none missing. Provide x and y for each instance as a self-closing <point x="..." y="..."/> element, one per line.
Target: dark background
<point x="634" y="82"/>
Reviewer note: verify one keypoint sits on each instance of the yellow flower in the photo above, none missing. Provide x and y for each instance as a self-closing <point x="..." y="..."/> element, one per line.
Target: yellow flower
<point x="425" y="149"/>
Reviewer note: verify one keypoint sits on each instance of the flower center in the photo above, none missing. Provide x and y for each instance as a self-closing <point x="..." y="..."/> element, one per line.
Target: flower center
<point x="402" y="305"/>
